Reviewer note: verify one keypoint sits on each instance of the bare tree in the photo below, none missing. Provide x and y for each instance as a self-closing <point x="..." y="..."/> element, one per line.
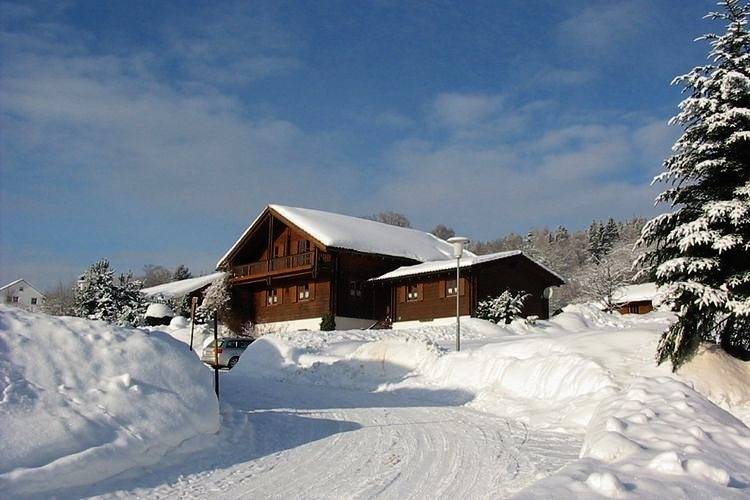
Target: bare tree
<point x="443" y="232"/>
<point x="59" y="300"/>
<point x="155" y="275"/>
<point x="599" y="280"/>
<point x="389" y="217"/>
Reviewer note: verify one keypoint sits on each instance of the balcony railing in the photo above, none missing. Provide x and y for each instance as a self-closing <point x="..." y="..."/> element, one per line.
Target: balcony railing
<point x="279" y="265"/>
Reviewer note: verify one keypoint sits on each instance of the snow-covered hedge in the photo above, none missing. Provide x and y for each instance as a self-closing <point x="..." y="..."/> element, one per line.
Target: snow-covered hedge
<point x="83" y="400"/>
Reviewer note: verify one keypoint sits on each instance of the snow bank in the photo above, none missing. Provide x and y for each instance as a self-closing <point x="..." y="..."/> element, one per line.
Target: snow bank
<point x="156" y="310"/>
<point x="83" y="400"/>
<point x="657" y="438"/>
<point x="352" y="364"/>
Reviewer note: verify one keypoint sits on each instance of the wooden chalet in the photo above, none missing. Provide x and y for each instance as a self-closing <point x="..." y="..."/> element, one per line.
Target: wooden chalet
<point x="293" y="265"/>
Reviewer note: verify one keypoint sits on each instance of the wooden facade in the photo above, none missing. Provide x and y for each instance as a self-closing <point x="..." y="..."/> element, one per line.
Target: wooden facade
<point x="280" y="274"/>
<point x="636" y="307"/>
<point x="429" y="296"/>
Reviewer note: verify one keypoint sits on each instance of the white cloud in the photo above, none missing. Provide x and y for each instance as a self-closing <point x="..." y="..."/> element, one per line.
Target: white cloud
<point x="231" y="43"/>
<point x="568" y="174"/>
<point x="602" y="25"/>
<point x="455" y="110"/>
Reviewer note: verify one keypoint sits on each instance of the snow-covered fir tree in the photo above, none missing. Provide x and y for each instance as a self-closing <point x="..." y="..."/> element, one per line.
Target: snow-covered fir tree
<point x="594" y="234"/>
<point x="503" y="308"/>
<point x="610" y="233"/>
<point x="100" y="296"/>
<point x="96" y="296"/>
<point x="131" y="303"/>
<point x="700" y="249"/>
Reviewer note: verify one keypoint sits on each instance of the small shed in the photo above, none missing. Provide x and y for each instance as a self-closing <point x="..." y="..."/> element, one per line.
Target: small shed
<point x="637" y="299"/>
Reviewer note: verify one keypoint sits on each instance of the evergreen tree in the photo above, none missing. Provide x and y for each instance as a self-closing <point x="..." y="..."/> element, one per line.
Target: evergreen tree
<point x="594" y="234"/>
<point x="181" y="272"/>
<point x="700" y="250"/>
<point x="561" y="234"/>
<point x="327" y="322"/>
<point x="503" y="308"/>
<point x="96" y="297"/>
<point x="610" y="233"/>
<point x="131" y="304"/>
<point x="100" y="296"/>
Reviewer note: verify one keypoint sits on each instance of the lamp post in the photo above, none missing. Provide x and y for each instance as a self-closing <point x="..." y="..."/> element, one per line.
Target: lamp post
<point x="458" y="243"/>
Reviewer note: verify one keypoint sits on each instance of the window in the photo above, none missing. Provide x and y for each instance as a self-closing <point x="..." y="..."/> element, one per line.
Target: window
<point x="450" y="288"/>
<point x="231" y="344"/>
<point x="278" y="251"/>
<point x="355" y="289"/>
<point x="303" y="246"/>
<point x="272" y="297"/>
<point x="633" y="308"/>
<point x="33" y="301"/>
<point x="15" y="300"/>
<point x="20" y="289"/>
<point x="303" y="291"/>
<point x="412" y="292"/>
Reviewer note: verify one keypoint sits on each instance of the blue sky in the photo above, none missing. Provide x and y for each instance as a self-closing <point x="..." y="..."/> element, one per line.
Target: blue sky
<point x="153" y="132"/>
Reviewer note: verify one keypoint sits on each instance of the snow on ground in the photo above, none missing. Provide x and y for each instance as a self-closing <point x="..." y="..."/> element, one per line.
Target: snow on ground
<point x="572" y="407"/>
<point x="82" y="401"/>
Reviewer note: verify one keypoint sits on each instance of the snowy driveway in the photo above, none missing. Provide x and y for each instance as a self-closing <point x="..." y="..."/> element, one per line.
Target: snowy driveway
<point x="284" y="440"/>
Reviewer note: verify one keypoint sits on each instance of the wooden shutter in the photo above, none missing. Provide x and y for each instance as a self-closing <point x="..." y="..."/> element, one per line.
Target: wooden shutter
<point x="462" y="286"/>
<point x="401" y="293"/>
<point x="420" y="291"/>
<point x="441" y="289"/>
<point x="312" y="291"/>
<point x="294" y="293"/>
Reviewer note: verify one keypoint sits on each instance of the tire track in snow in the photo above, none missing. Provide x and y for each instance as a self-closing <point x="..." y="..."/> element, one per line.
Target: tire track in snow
<point x="348" y="444"/>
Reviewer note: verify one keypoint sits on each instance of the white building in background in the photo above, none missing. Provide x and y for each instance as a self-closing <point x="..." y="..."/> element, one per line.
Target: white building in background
<point x="21" y="294"/>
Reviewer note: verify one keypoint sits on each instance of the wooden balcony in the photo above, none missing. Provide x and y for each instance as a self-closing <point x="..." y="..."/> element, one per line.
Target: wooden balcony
<point x="288" y="264"/>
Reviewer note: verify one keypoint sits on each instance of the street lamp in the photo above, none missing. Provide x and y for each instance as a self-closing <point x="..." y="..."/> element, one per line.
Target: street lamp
<point x="458" y="243"/>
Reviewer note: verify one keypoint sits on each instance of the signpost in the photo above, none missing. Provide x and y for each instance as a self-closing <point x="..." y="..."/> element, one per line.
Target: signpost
<point x="193" y="305"/>
<point x="216" y="354"/>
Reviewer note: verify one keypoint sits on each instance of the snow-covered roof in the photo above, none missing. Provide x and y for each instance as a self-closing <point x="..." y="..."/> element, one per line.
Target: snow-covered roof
<point x="636" y="293"/>
<point x="182" y="287"/>
<point x="362" y="235"/>
<point x="447" y="264"/>
<point x="16" y="282"/>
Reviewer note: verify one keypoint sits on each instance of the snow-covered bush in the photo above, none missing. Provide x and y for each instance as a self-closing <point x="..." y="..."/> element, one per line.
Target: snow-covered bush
<point x="503" y="308"/>
<point x="216" y="299"/>
<point x="101" y="296"/>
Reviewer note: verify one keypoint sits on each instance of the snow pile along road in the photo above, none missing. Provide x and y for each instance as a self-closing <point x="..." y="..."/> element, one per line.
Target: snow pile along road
<point x="656" y="439"/>
<point x="83" y="400"/>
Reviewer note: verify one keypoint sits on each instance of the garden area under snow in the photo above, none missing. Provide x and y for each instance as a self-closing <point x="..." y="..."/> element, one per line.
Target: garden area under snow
<point x="574" y="407"/>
